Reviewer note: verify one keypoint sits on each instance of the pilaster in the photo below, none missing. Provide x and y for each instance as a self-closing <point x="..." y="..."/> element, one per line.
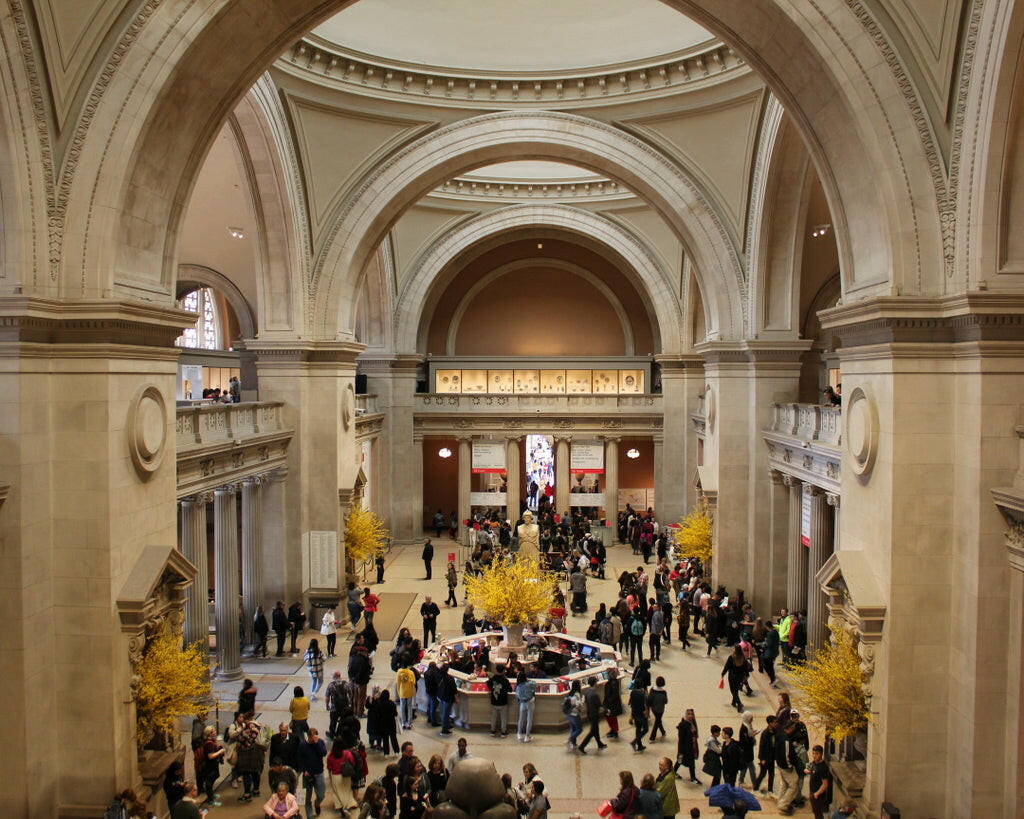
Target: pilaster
<point x="611" y="482"/>
<point x="562" y="474"/>
<point x="796" y="560"/>
<point x="682" y="380"/>
<point x="514" y="473"/>
<point x="194" y="547"/>
<point x="465" y="483"/>
<point x="820" y="550"/>
<point x="252" y="551"/>
<point x="778" y="538"/>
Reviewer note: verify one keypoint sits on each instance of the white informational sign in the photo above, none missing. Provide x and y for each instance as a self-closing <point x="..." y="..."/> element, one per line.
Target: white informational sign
<point x="636" y="498"/>
<point x="486" y="498"/>
<point x="805" y="517"/>
<point x="320" y="560"/>
<point x="650" y="499"/>
<point x="586" y="498"/>
<point x="586" y="458"/>
<point x="190" y="382"/>
<point x="488" y="456"/>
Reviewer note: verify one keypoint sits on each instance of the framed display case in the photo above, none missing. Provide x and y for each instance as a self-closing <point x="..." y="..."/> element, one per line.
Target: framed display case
<point x="448" y="381"/>
<point x="631" y="381"/>
<point x="474" y="381"/>
<point x="499" y="381"/>
<point x="605" y="382"/>
<point x="578" y="381"/>
<point x="527" y="381"/>
<point x="552" y="382"/>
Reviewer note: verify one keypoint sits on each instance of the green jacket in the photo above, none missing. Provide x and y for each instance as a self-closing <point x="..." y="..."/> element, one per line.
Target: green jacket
<point x="783" y="627"/>
<point x="666" y="786"/>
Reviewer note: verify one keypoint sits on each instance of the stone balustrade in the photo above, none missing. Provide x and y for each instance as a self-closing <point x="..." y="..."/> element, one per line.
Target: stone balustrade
<point x="808" y="422"/>
<point x="217" y="423"/>
<point x="442" y="403"/>
<point x="366" y="404"/>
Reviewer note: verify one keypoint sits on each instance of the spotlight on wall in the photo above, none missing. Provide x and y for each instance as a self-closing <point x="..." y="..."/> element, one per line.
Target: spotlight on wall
<point x="444" y="452"/>
<point x="820" y="230"/>
<point x="633" y="453"/>
<point x="236" y="233"/>
<point x="540" y="245"/>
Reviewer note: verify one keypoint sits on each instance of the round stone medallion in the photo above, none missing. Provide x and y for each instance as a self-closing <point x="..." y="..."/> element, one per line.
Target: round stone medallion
<point x="348" y="406"/>
<point x="861" y="432"/>
<point x="147" y="429"/>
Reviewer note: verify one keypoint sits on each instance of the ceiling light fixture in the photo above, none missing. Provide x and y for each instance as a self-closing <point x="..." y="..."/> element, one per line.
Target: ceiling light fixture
<point x="540" y="245"/>
<point x="633" y="453"/>
<point x="820" y="230"/>
<point x="444" y="452"/>
<point x="236" y="233"/>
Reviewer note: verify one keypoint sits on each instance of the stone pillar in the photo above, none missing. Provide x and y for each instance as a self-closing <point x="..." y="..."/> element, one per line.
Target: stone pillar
<point x="416" y="499"/>
<point x="252" y="551"/>
<point x="193" y="547"/>
<point x="796" y="564"/>
<point x="682" y="378"/>
<point x="778" y="540"/>
<point x="272" y="515"/>
<point x="833" y="501"/>
<point x="659" y="475"/>
<point x="562" y="484"/>
<point x="465" y="484"/>
<point x="819" y="552"/>
<point x="611" y="483"/>
<point x="514" y="472"/>
<point x="225" y="528"/>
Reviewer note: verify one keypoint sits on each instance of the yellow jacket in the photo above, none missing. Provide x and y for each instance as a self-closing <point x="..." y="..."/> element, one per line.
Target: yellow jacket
<point x="406" y="683"/>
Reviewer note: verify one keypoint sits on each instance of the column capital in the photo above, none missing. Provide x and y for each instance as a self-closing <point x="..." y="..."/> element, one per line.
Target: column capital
<point x="226" y="488"/>
<point x="790" y="480"/>
<point x="387" y="364"/>
<point x="756" y="355"/>
<point x="832" y="499"/>
<point x="253" y="480"/>
<point x="678" y="364"/>
<point x="611" y="439"/>
<point x="815" y="491"/>
<point x="776" y="476"/>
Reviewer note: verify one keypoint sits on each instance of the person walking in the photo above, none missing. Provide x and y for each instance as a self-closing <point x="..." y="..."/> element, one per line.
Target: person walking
<point x="732" y="756"/>
<point x="526" y="696"/>
<point x="638" y="712"/>
<point x="657" y="699"/>
<point x="260" y="630"/>
<point x="683" y="620"/>
<point x="438" y="527"/>
<point x="687" y="747"/>
<point x="429" y="612"/>
<point x="636" y="637"/>
<point x="594" y="704"/>
<point x="665" y="784"/>
<point x="311" y="765"/>
<point x="452" y="578"/>
<point x="613" y="702"/>
<point x="338" y="702"/>
<point x="657" y="626"/>
<point x="747" y="741"/>
<point x="314" y="660"/>
<point x="299" y="709"/>
<point x="572" y="707"/>
<point x="766" y="757"/>
<point x="712" y="761"/>
<point x="371" y="603"/>
<point x="499" y="688"/>
<point x="354" y="604"/>
<point x="279" y="622"/>
<point x="428" y="553"/>
<point x="737" y="668"/>
<point x="820" y="782"/>
<point x="770" y="652"/>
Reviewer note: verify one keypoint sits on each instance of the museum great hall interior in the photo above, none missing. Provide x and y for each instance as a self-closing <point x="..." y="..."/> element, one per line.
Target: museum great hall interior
<point x="447" y="248"/>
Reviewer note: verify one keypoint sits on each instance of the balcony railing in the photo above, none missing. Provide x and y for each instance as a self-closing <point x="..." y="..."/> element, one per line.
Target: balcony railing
<point x="221" y="423"/>
<point x="808" y="422"/>
<point x="366" y="404"/>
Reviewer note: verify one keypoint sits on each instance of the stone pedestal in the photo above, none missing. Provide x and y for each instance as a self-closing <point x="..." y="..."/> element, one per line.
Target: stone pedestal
<point x="226" y="598"/>
<point x="194" y="548"/>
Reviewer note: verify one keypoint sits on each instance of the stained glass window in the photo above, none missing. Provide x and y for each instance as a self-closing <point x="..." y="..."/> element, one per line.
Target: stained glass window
<point x="204" y="333"/>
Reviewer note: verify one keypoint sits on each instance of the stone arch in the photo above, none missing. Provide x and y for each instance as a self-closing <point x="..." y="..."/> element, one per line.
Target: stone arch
<point x="832" y="67"/>
<point x="554" y="264"/>
<point x="191" y="276"/>
<point x="414" y="301"/>
<point x="411" y="173"/>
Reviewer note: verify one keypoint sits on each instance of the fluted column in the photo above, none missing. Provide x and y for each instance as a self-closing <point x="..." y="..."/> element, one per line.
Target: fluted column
<point x="514" y="483"/>
<point x="252" y="550"/>
<point x="611" y="482"/>
<point x="778" y="541"/>
<point x="562" y="486"/>
<point x="193" y="547"/>
<point x="821" y="548"/>
<point x="465" y="484"/>
<point x="225" y="546"/>
<point x="796" y="568"/>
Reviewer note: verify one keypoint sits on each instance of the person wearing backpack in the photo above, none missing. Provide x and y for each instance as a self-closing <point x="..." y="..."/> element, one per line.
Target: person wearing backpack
<point x="636" y="638"/>
<point x="572" y="708"/>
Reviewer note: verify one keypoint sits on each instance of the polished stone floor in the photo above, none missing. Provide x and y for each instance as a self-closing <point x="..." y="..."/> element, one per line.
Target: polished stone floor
<point x="576" y="784"/>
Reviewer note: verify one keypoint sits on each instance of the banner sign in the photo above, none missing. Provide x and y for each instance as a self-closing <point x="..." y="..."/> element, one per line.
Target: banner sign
<point x="488" y="456"/>
<point x="805" y="517"/>
<point x="586" y="458"/>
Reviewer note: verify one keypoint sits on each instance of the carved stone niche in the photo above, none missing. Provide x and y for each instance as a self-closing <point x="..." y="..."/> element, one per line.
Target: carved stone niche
<point x="152" y="603"/>
<point x="856" y="606"/>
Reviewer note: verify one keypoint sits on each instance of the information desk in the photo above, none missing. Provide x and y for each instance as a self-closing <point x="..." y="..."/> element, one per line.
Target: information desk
<point x="558" y="660"/>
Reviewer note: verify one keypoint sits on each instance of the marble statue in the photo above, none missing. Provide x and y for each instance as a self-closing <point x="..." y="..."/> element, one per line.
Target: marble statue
<point x="528" y="533"/>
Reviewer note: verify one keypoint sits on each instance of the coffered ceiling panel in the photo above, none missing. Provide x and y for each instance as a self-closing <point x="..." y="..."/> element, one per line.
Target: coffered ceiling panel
<point x="715" y="144"/>
<point x="71" y="31"/>
<point x="338" y="146"/>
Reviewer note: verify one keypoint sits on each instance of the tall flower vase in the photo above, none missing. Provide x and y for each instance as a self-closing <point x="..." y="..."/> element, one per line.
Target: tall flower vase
<point x="513" y="635"/>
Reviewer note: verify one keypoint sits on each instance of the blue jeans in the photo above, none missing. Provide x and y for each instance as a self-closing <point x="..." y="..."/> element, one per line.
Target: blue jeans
<point x="432" y="702"/>
<point x="526" y="716"/>
<point x="446" y="715"/>
<point x="407" y="710"/>
<point x="316" y="681"/>
<point x="575" y="728"/>
<point x="313" y="784"/>
<point x="354" y="613"/>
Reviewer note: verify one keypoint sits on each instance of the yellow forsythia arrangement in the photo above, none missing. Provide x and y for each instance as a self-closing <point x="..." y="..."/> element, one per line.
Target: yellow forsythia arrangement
<point x="171" y="683"/>
<point x="512" y="591"/>
<point x="365" y="535"/>
<point x="829" y="688"/>
<point x="693" y="537"/>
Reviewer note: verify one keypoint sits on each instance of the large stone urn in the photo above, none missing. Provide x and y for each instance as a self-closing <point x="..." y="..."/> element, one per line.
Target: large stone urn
<point x="513" y="636"/>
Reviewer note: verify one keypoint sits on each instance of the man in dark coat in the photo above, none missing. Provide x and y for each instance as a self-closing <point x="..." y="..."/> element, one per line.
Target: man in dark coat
<point x="284" y="746"/>
<point x="279" y="620"/>
<point x="594" y="702"/>
<point x="260" y="629"/>
<point x="297" y="619"/>
<point x="428" y="556"/>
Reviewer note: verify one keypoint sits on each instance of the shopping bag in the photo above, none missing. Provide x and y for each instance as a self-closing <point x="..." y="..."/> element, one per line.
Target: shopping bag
<point x="721" y="682"/>
<point x="604" y="809"/>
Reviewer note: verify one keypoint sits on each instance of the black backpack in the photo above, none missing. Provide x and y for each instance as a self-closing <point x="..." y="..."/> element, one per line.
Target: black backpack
<point x="567" y="705"/>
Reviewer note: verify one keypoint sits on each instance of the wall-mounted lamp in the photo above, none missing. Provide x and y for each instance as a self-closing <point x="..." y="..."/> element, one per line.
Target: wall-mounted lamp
<point x="633" y="453"/>
<point x="444" y="452"/>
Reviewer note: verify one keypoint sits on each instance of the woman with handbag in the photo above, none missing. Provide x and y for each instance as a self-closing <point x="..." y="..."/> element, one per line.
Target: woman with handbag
<point x="250" y="757"/>
<point x="687" y="747"/>
<point x="623" y="806"/>
<point x="341" y="767"/>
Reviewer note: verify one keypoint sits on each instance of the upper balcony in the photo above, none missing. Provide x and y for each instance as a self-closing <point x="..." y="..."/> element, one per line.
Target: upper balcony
<point x="808" y="422"/>
<point x="804" y="440"/>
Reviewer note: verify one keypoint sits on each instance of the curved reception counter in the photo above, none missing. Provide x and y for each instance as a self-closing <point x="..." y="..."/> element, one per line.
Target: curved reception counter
<point x="552" y="660"/>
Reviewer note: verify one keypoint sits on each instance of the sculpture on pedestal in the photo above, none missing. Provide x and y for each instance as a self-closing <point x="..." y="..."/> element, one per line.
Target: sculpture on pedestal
<point x="528" y="533"/>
